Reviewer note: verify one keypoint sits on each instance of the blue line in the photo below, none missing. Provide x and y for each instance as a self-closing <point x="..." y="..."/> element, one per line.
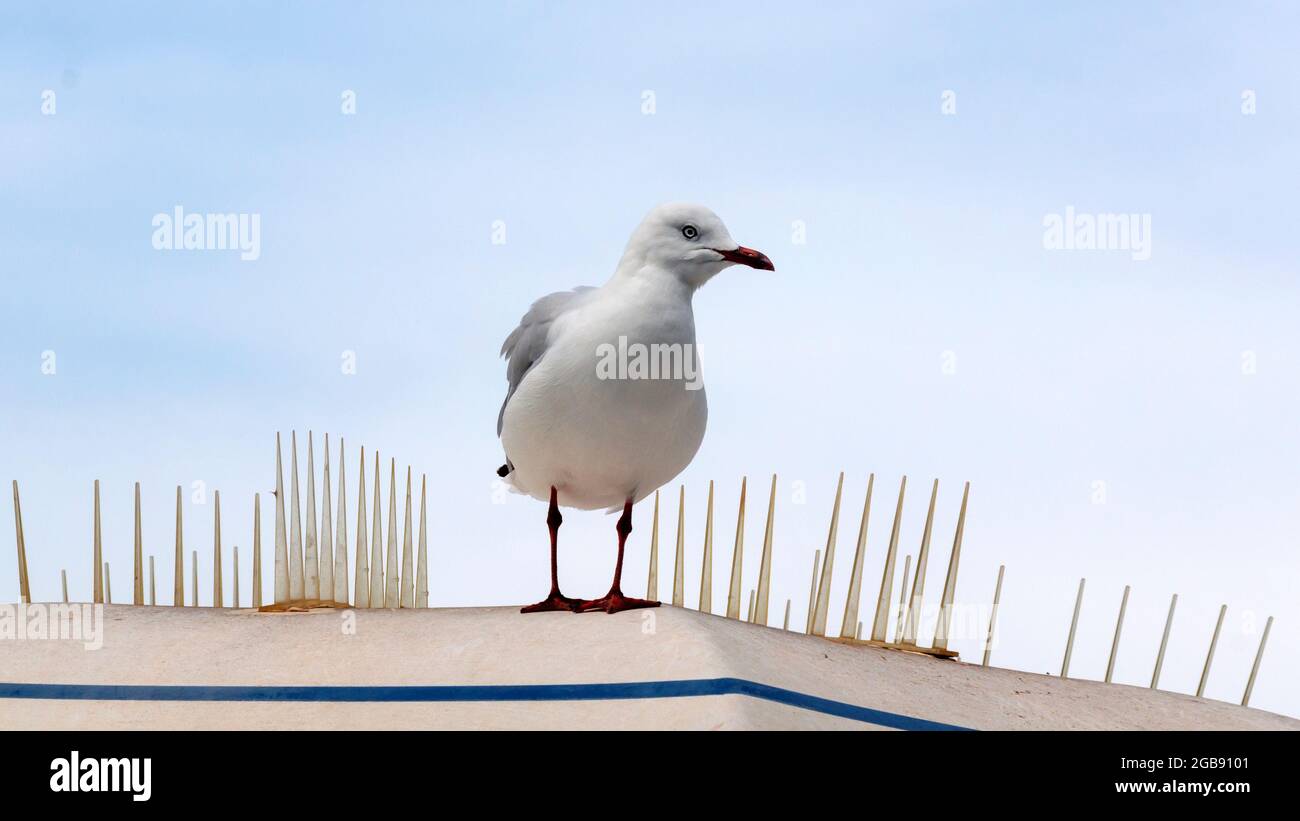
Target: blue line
<point x="683" y="688"/>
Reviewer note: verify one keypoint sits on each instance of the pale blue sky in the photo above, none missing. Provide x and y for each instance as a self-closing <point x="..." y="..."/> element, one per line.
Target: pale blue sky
<point x="924" y="236"/>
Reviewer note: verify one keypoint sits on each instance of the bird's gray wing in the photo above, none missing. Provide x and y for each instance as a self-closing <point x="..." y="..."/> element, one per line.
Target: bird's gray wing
<point x="526" y="344"/>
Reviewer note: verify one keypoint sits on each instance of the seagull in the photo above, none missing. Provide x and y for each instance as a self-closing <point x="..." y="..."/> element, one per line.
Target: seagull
<point x="605" y="403"/>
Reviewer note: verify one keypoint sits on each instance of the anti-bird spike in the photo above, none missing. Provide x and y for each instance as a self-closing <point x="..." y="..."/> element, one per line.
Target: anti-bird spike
<point x="326" y="542"/>
<point x="828" y="564"/>
<point x="422" y="561"/>
<point x="377" y="546"/>
<point x="296" y="585"/>
<point x="392" y="595"/>
<point x="341" y="536"/>
<point x="408" y="557"/>
<point x="950" y="582"/>
<point x="361" y="585"/>
<point x="281" y="546"/>
<point x="652" y="572"/>
<point x="257" y="550"/>
<point x="706" y="569"/>
<point x="311" y="561"/>
<point x="178" y="564"/>
<point x="679" y="561"/>
<point x="848" y="626"/>
<point x="880" y="624"/>
<point x="913" y="617"/>
<point x="137" y="565"/>
<point x="737" y="558"/>
<point x="218" y="599"/>
<point x="765" y="561"/>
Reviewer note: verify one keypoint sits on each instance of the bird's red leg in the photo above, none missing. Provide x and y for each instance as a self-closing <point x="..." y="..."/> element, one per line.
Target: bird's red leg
<point x="556" y="600"/>
<point x="614" y="601"/>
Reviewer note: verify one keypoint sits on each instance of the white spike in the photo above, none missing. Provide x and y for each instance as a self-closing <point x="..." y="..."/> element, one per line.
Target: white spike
<point x="1074" y="626"/>
<point x="812" y="593"/>
<point x="706" y="569"/>
<point x="341" y="536"/>
<point x="1209" y="657"/>
<point x="785" y="623"/>
<point x="765" y="561"/>
<point x="361" y="585"/>
<point x="950" y="581"/>
<point x="913" y="617"/>
<point x="849" y="623"/>
<point x="24" y="586"/>
<point x="326" y="540"/>
<point x="377" y="598"/>
<point x="1164" y="643"/>
<point x="296" y="579"/>
<point x="422" y="560"/>
<point x="828" y="564"/>
<point x="880" y="624"/>
<point x="902" y="598"/>
<point x="235" y="583"/>
<point x="1119" y="625"/>
<point x="281" y="546"/>
<point x="99" y="553"/>
<point x="218" y="597"/>
<point x="679" y="560"/>
<point x="737" y="558"/>
<point x="257" y="550"/>
<point x="408" y="556"/>
<point x="652" y="574"/>
<point x="194" y="568"/>
<point x="137" y="565"/>
<point x="1254" y="669"/>
<point x="153" y="591"/>
<point x="178" y="563"/>
<point x="108" y="586"/>
<point x="311" y="560"/>
<point x="993" y="615"/>
<point x="392" y="596"/>
<point x="750" y="612"/>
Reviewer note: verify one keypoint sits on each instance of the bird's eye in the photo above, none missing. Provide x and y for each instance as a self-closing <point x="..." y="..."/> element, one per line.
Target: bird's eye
<point x="690" y="231"/>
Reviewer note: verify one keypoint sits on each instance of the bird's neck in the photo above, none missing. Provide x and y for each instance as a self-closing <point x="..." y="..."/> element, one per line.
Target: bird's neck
<point x="651" y="282"/>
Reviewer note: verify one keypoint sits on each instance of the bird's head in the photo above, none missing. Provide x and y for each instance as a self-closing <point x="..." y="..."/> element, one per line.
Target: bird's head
<point x="689" y="242"/>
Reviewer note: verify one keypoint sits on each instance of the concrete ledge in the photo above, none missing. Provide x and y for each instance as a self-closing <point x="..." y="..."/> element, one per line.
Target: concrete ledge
<point x="422" y="669"/>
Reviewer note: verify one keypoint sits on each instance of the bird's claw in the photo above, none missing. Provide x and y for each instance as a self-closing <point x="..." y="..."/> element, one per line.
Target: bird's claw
<point x="614" y="602"/>
<point x="554" y="603"/>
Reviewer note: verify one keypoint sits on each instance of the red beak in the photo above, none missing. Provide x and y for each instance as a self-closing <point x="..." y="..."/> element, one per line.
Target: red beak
<point x="750" y="257"/>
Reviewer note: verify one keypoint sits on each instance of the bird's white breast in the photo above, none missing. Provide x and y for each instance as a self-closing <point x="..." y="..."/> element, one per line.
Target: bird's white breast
<point x="603" y="435"/>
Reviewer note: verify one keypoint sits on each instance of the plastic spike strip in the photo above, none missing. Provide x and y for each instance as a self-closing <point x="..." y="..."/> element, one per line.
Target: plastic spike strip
<point x="765" y="561"/>
<point x="706" y="568"/>
<point x="848" y="627"/>
<point x="828" y="565"/>
<point x="737" y="558"/>
<point x="880" y="625"/>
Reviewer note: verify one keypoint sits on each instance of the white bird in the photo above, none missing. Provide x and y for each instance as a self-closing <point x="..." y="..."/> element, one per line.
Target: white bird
<point x="605" y="402"/>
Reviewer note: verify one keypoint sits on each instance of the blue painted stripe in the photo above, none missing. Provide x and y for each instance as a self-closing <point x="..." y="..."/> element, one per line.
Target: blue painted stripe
<point x="683" y="688"/>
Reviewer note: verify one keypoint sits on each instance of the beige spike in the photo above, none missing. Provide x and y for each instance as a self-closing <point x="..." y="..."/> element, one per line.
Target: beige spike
<point x="408" y="557"/>
<point x="1119" y="626"/>
<point x="993" y="615"/>
<point x="178" y="564"/>
<point x="858" y="633"/>
<point x="902" y="598"/>
<point x="153" y="591"/>
<point x="750" y="617"/>
<point x="297" y="584"/>
<point x="828" y="565"/>
<point x="325" y="542"/>
<point x="950" y="581"/>
<point x="341" y="537"/>
<point x="785" y="623"/>
<point x="1209" y="657"/>
<point x="99" y="553"/>
<point x="194" y="567"/>
<point x="422" y="560"/>
<point x="706" y="569"/>
<point x="1074" y="626"/>
<point x="1164" y="643"/>
<point x="281" y="546"/>
<point x="737" y="559"/>
<point x="257" y="550"/>
<point x="311" y="559"/>
<point x="361" y="584"/>
<point x="24" y="585"/>
<point x="847" y="625"/>
<point x="765" y="562"/>
<point x="679" y="562"/>
<point x="812" y="593"/>
<point x="64" y="574"/>
<point x="377" y="598"/>
<point x="108" y="586"/>
<point x="392" y="595"/>
<point x="137" y="567"/>
<point x="1254" y="668"/>
<point x="912" y="620"/>
<point x="235" y="572"/>
<point x="880" y="626"/>
<point x="652" y="574"/>
<point x="218" y="597"/>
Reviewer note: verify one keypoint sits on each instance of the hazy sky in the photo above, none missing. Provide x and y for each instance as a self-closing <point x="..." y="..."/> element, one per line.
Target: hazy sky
<point x="1131" y="421"/>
